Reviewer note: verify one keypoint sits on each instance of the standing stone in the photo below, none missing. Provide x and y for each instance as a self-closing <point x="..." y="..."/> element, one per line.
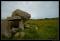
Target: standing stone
<point x="21" y="25"/>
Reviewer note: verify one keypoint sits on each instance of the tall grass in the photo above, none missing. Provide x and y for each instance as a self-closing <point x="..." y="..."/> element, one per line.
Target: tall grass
<point x="41" y="29"/>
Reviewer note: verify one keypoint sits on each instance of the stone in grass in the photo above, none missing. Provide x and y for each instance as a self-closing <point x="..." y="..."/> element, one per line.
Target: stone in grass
<point x="36" y="28"/>
<point x="19" y="35"/>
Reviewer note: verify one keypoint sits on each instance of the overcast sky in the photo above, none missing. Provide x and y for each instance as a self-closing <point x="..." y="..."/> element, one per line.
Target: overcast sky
<point x="37" y="9"/>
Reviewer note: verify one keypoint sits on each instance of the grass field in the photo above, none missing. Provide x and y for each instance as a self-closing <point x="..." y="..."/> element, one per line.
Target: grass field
<point x="42" y="29"/>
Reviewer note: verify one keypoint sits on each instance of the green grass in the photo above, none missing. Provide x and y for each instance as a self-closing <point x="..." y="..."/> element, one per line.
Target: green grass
<point x="46" y="29"/>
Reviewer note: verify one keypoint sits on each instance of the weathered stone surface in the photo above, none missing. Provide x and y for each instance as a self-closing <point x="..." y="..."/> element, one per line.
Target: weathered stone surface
<point x="12" y="18"/>
<point x="21" y="13"/>
<point x="16" y="17"/>
<point x="21" y="25"/>
<point x="5" y="28"/>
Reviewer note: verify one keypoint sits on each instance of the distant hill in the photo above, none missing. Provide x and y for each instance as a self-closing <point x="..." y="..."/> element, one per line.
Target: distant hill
<point x="46" y="19"/>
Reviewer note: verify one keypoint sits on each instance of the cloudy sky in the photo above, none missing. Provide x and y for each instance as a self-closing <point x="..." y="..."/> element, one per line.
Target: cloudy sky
<point x="37" y="9"/>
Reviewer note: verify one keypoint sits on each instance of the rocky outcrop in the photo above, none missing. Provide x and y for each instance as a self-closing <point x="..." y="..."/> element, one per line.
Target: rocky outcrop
<point x="16" y="21"/>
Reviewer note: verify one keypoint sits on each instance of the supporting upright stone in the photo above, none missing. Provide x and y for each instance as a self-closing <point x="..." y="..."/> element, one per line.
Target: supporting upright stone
<point x="5" y="30"/>
<point x="21" y="25"/>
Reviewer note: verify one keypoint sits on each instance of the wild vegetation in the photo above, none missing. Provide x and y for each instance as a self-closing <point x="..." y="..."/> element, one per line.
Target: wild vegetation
<point x="41" y="29"/>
